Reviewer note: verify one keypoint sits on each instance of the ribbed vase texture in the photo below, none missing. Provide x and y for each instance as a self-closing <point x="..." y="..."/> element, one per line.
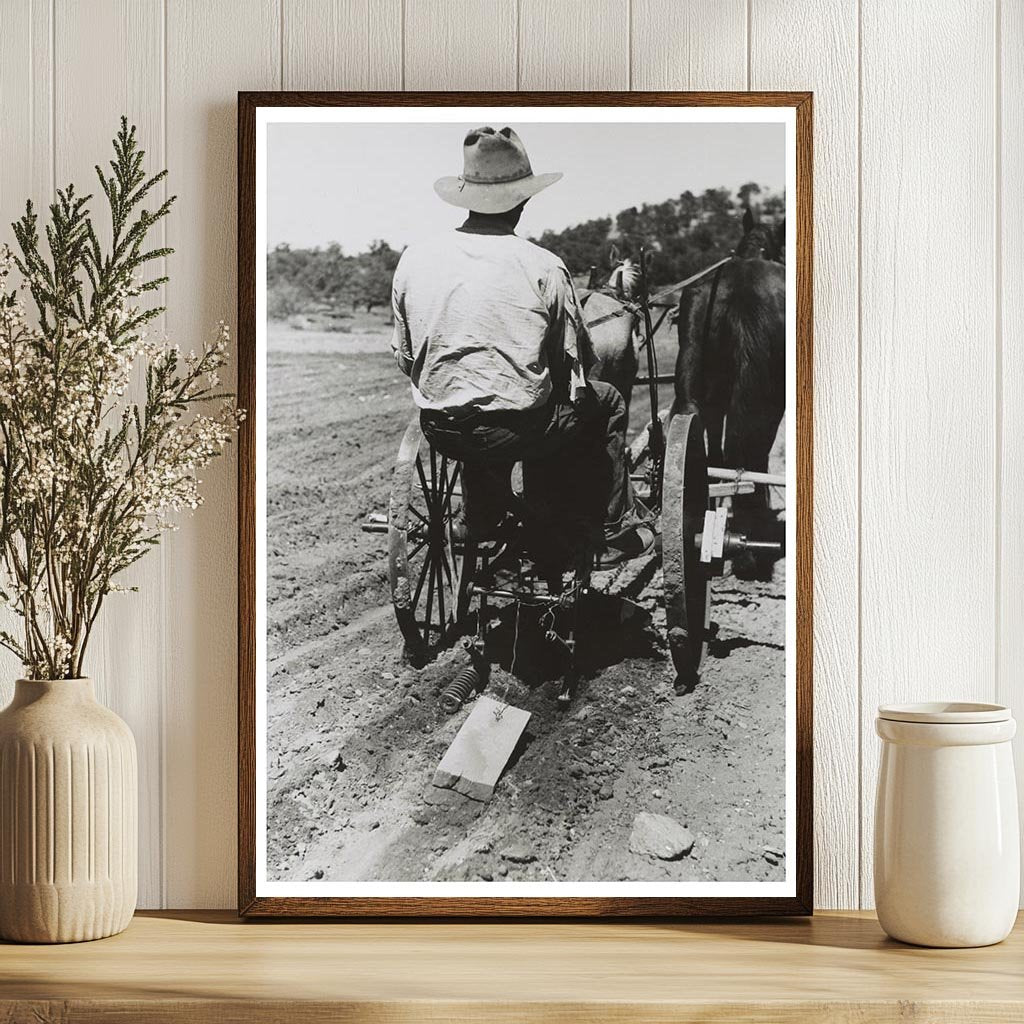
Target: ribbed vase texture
<point x="68" y="815"/>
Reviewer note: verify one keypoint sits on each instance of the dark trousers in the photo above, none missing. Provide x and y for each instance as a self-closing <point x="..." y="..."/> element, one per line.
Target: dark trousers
<point x="574" y="459"/>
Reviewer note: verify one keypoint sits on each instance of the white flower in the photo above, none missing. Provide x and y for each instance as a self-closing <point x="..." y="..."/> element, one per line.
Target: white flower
<point x="95" y="465"/>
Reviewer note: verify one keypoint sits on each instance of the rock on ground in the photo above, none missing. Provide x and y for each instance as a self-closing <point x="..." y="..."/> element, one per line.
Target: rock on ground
<point x="658" y="835"/>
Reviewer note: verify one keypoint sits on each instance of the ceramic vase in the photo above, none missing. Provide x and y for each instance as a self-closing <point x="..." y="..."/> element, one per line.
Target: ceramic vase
<point x="947" y="848"/>
<point x="68" y="815"/>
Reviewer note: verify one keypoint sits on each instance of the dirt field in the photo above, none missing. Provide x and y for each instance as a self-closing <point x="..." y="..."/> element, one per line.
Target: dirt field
<point x="355" y="735"/>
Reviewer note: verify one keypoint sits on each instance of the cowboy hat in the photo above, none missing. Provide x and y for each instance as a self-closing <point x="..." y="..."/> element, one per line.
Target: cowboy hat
<point x="496" y="173"/>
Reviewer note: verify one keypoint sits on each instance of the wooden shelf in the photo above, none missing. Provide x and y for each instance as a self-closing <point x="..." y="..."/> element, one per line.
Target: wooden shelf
<point x="198" y="967"/>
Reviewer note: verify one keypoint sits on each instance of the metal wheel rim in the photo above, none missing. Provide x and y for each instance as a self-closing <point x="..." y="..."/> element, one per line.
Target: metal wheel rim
<point x="685" y="580"/>
<point x="428" y="571"/>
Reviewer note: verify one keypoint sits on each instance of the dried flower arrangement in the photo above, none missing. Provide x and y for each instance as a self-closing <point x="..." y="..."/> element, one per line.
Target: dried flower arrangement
<point x="90" y="476"/>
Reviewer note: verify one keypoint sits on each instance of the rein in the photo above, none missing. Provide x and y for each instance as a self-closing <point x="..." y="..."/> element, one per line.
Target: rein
<point x="659" y="299"/>
<point x="711" y="306"/>
<point x="626" y="307"/>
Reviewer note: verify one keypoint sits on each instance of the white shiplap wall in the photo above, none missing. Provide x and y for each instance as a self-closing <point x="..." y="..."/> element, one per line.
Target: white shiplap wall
<point x="919" y="308"/>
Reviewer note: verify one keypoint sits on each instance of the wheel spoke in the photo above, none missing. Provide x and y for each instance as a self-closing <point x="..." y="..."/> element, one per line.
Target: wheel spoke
<point x="451" y="487"/>
<point x="419" y="584"/>
<point x="430" y="597"/>
<point x="442" y="620"/>
<point x="442" y="488"/>
<point x="446" y="566"/>
<point x="428" y="493"/>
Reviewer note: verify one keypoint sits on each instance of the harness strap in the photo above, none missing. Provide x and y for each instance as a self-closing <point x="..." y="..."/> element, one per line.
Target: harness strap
<point x="626" y="307"/>
<point x="658" y="299"/>
<point x="711" y="306"/>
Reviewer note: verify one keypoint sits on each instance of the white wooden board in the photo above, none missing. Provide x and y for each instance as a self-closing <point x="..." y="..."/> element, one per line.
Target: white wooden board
<point x="573" y="44"/>
<point x="342" y="44"/>
<point x="126" y="663"/>
<point x="782" y="58"/>
<point x="700" y="44"/>
<point x="213" y="50"/>
<point x="928" y="364"/>
<point x="26" y="111"/>
<point x="478" y="755"/>
<point x="468" y="45"/>
<point x="1010" y="369"/>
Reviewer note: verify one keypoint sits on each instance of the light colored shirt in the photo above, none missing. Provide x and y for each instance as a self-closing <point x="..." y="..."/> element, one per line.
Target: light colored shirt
<point x="482" y="319"/>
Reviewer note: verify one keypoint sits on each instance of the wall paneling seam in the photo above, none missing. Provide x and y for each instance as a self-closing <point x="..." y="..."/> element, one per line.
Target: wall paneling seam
<point x="858" y="476"/>
<point x="519" y="36"/>
<point x="31" y="87"/>
<point x="164" y="645"/>
<point x="629" y="45"/>
<point x="749" y="25"/>
<point x="53" y="99"/>
<point x="32" y="91"/>
<point x="997" y="233"/>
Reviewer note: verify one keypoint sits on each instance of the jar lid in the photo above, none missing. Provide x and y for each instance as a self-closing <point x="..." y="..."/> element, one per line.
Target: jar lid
<point x="945" y="713"/>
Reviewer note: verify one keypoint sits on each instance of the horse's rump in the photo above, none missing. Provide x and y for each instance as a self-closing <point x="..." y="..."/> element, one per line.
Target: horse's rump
<point x="732" y="370"/>
<point x="613" y="353"/>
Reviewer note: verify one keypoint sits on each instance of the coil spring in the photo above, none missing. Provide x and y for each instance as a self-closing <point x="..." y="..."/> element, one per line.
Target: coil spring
<point x="460" y="689"/>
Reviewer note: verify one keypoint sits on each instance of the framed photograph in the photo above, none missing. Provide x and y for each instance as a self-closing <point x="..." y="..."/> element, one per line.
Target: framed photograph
<point x="525" y="493"/>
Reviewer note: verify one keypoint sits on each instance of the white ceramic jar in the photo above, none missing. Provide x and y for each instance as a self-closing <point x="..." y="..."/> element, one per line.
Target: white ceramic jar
<point x="947" y="848"/>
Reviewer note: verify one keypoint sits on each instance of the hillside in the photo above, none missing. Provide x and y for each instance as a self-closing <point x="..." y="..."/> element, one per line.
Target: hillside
<point x="686" y="233"/>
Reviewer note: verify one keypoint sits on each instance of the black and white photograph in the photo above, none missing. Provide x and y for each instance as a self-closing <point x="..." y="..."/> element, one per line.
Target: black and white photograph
<point x="525" y="589"/>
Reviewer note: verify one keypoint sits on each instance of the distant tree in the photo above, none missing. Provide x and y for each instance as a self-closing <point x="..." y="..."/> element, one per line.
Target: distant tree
<point x="284" y="300"/>
<point x="687" y="233"/>
<point x="773" y="207"/>
<point x="582" y="246"/>
<point x="373" y="273"/>
<point x="688" y="211"/>
<point x="746" y="194"/>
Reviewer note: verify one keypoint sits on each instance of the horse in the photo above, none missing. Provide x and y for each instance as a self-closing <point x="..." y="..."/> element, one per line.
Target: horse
<point x="731" y="368"/>
<point x="614" y="323"/>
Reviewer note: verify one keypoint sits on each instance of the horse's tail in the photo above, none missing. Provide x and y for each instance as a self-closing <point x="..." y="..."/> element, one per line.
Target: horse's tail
<point x="751" y="331"/>
<point x="703" y="344"/>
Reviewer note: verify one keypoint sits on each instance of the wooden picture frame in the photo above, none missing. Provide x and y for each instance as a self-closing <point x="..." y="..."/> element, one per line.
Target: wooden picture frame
<point x="253" y="904"/>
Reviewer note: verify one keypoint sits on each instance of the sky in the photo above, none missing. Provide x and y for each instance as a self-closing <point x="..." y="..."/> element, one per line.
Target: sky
<point x="353" y="183"/>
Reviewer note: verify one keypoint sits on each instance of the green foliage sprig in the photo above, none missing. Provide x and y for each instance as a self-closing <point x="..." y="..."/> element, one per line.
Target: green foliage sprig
<point x="90" y="476"/>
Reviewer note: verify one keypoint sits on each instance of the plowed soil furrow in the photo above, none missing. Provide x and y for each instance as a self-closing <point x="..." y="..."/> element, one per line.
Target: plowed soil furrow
<point x="354" y="734"/>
